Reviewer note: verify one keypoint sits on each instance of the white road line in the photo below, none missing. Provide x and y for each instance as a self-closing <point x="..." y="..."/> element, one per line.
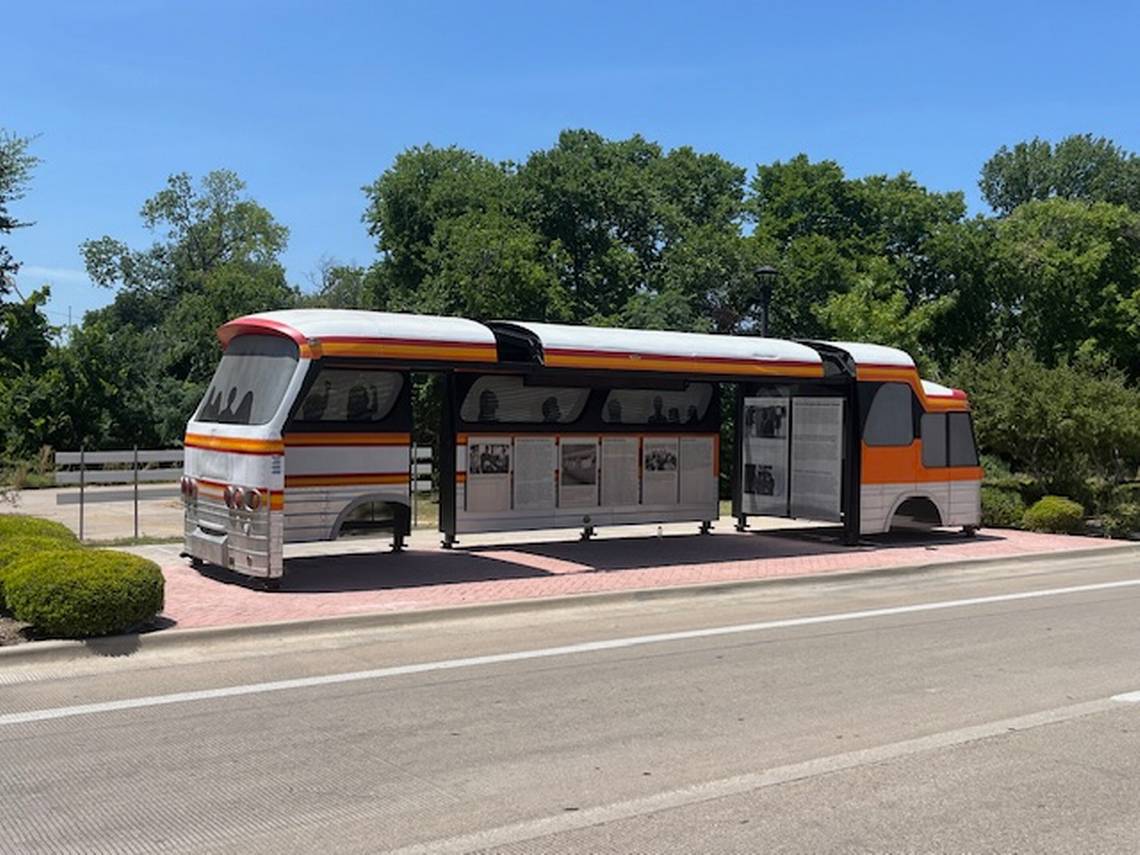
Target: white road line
<point x="561" y="823"/>
<point x="541" y="653"/>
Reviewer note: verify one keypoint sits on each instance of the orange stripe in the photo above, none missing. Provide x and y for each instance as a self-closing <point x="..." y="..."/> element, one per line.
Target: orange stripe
<point x="361" y="479"/>
<point x="637" y="362"/>
<point x="930" y="403"/>
<point x="463" y="438"/>
<point x="216" y="489"/>
<point x="437" y="351"/>
<point x="321" y="439"/>
<point x="902" y="464"/>
<point x="234" y="444"/>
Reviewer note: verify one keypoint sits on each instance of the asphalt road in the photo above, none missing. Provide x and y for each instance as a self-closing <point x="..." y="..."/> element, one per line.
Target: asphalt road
<point x="984" y="709"/>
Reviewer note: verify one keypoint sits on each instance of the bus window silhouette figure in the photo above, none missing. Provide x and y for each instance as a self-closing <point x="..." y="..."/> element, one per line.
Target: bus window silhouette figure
<point x="551" y="412"/>
<point x="488" y="406"/>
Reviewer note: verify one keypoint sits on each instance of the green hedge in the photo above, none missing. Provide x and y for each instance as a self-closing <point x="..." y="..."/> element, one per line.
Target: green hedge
<point x="1001" y="507"/>
<point x="84" y="592"/>
<point x="1123" y="520"/>
<point x="1055" y="514"/>
<point x="14" y="549"/>
<point x="19" y="525"/>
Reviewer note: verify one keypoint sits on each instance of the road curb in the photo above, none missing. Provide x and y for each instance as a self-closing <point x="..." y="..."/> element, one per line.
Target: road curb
<point x="57" y="652"/>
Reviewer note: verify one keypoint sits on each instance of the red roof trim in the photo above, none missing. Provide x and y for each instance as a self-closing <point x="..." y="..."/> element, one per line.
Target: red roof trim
<point x="251" y="325"/>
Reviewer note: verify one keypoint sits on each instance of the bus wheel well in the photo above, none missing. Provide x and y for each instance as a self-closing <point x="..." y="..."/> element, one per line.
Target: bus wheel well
<point x="368" y="514"/>
<point x="916" y="512"/>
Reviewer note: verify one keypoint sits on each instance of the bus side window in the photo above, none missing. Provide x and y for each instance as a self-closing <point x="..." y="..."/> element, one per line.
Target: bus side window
<point x="962" y="449"/>
<point x="350" y="395"/>
<point x="891" y="418"/>
<point x="934" y="439"/>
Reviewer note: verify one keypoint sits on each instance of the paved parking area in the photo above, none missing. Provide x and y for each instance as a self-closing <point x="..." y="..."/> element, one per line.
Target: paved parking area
<point x="354" y="577"/>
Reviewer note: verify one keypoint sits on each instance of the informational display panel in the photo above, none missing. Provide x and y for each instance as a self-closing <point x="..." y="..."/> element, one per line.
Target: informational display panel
<point x="817" y="458"/>
<point x="578" y="477"/>
<point x="698" y="470"/>
<point x="534" y="481"/>
<point x="764" y="442"/>
<point x="489" y="474"/>
<point x="620" y="485"/>
<point x="534" y="472"/>
<point x="659" y="470"/>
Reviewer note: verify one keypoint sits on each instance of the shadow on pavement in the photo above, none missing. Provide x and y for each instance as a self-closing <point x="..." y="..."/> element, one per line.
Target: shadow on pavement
<point x="642" y="552"/>
<point x="377" y="571"/>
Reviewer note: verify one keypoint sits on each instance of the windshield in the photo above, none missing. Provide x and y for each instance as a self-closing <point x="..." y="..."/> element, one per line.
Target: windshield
<point x="250" y="381"/>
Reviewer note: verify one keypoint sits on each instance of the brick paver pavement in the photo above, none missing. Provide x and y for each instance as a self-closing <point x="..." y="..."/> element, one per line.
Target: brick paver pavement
<point x="529" y="565"/>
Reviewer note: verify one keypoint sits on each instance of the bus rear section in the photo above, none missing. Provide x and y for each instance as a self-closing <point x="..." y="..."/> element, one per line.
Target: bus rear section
<point x="919" y="466"/>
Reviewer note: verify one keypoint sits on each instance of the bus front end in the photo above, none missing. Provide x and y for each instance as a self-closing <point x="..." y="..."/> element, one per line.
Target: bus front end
<point x="233" y="476"/>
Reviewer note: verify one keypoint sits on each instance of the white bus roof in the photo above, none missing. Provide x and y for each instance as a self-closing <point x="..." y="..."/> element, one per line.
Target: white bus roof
<point x="874" y="354"/>
<point x="937" y="390"/>
<point x="568" y="346"/>
<point x="346" y="332"/>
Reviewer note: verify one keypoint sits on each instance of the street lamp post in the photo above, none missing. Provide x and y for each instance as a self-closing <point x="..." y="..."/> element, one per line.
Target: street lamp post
<point x="765" y="280"/>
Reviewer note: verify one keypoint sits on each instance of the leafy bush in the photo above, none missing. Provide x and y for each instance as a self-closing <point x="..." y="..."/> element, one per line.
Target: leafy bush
<point x="1002" y="508"/>
<point x="1061" y="425"/>
<point x="82" y="593"/>
<point x="15" y="549"/>
<point x="1121" y="521"/>
<point x="1055" y="514"/>
<point x="19" y="525"/>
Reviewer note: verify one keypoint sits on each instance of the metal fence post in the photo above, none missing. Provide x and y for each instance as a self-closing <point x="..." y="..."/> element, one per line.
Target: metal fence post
<point x="136" y="469"/>
<point x="82" y="478"/>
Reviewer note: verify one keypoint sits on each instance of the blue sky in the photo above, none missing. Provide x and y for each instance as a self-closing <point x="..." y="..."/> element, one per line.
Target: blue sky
<point x="309" y="101"/>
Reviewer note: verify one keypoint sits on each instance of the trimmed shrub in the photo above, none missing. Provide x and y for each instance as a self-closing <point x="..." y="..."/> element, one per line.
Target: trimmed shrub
<point x="84" y="592"/>
<point x="1055" y="514"/>
<point x="19" y="525"/>
<point x="1002" y="508"/>
<point x="15" y="549"/>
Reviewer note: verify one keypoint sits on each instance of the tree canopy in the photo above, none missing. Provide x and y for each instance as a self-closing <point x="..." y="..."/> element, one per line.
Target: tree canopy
<point x="626" y="232"/>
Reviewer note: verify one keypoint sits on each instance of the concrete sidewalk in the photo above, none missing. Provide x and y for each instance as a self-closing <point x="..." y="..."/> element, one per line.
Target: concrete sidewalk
<point x="325" y="580"/>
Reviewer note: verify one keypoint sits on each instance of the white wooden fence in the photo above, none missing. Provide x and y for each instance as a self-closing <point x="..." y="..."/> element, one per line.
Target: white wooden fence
<point x="149" y="466"/>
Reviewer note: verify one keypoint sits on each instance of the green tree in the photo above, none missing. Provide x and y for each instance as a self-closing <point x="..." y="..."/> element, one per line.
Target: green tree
<point x="424" y="187"/>
<point x="1081" y="167"/>
<point x="1061" y="424"/>
<point x="856" y="256"/>
<point x="487" y="265"/>
<point x="202" y="228"/>
<point x="16" y="165"/>
<point x="1069" y="272"/>
<point x="138" y="366"/>
<point x="25" y="334"/>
